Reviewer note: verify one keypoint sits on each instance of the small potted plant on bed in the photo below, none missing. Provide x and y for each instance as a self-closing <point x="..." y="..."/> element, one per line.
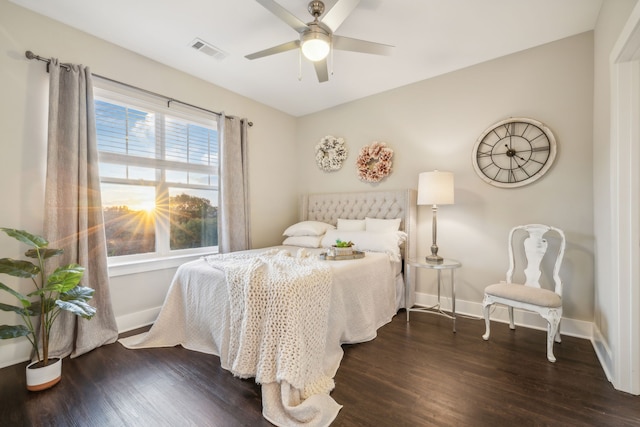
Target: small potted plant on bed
<point x="343" y="248"/>
<point x="51" y="294"/>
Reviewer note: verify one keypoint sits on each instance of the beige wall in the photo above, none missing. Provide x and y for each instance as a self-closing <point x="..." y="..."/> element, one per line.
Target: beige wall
<point x="23" y="116"/>
<point x="434" y="124"/>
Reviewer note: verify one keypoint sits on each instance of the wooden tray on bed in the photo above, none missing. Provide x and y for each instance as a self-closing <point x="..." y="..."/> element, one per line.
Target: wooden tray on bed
<point x="354" y="255"/>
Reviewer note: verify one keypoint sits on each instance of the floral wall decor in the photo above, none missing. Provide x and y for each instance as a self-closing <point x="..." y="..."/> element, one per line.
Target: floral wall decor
<point x="374" y="162"/>
<point x="331" y="152"/>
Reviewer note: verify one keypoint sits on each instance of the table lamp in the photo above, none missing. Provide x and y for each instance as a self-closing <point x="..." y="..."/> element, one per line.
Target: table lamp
<point x="435" y="188"/>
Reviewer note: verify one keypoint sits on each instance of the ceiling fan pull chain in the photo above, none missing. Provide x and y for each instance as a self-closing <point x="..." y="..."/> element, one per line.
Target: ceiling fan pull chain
<point x="331" y="59"/>
<point x="299" y="65"/>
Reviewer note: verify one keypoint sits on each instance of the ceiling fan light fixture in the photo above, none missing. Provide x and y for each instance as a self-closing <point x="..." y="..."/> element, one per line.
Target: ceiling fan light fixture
<point x="316" y="39"/>
<point x="315" y="45"/>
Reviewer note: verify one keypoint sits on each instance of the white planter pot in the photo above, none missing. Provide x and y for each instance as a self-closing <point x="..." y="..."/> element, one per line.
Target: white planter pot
<point x="343" y="251"/>
<point x="44" y="377"/>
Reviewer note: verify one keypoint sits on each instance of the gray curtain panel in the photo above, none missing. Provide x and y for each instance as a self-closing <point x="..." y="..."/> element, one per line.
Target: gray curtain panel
<point x="73" y="208"/>
<point x="233" y="196"/>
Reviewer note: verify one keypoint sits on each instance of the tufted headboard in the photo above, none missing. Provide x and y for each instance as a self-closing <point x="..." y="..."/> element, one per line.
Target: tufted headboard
<point x="373" y="204"/>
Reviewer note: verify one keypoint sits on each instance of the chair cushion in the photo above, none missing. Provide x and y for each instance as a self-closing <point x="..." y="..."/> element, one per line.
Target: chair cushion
<point x="526" y="294"/>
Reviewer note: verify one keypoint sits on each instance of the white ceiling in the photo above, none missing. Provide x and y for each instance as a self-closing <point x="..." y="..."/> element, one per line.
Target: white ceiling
<point x="431" y="37"/>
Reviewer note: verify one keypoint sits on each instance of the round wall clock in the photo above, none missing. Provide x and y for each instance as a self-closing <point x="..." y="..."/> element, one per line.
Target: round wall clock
<point x="514" y="152"/>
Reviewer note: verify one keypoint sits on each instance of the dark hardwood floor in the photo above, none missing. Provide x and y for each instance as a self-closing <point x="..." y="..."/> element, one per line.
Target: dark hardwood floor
<point x="416" y="374"/>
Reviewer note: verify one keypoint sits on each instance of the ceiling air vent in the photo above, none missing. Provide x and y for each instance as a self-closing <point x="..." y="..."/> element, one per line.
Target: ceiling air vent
<point x="208" y="49"/>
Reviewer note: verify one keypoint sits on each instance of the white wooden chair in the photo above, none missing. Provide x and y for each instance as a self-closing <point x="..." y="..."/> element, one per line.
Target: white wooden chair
<point x="530" y="295"/>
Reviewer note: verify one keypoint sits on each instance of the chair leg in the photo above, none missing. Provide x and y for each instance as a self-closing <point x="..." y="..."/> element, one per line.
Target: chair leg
<point x="486" y="307"/>
<point x="558" y="338"/>
<point x="553" y="318"/>
<point x="512" y="324"/>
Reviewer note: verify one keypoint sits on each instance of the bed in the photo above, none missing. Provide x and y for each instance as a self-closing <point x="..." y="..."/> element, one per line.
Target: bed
<point x="346" y="301"/>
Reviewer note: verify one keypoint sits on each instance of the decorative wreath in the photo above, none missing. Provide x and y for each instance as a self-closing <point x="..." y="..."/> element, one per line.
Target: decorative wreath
<point x="331" y="152"/>
<point x="374" y="162"/>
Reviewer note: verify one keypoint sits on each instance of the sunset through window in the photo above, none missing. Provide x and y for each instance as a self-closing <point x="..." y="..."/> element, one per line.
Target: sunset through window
<point x="158" y="178"/>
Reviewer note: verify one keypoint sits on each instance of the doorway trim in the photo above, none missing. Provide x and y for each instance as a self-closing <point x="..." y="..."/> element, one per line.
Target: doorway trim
<point x="625" y="211"/>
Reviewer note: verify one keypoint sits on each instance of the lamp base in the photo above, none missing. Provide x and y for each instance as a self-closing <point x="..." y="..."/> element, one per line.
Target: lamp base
<point x="434" y="259"/>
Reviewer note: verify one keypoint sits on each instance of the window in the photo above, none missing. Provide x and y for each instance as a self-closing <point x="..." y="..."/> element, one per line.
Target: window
<point x="159" y="182"/>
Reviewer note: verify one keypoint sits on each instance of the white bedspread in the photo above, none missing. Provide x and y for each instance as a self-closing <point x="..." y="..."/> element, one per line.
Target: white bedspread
<point x="196" y="314"/>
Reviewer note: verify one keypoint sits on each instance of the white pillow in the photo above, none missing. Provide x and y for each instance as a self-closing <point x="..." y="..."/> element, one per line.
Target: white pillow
<point x="351" y="224"/>
<point x="386" y="242"/>
<point x="307" y="228"/>
<point x="303" y="241"/>
<point x="381" y="225"/>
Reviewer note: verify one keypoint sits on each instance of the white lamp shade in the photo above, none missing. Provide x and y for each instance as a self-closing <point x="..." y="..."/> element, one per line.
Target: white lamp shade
<point x="435" y="188"/>
<point x="315" y="46"/>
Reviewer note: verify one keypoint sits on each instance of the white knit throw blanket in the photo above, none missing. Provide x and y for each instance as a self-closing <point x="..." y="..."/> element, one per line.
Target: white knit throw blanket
<point x="279" y="308"/>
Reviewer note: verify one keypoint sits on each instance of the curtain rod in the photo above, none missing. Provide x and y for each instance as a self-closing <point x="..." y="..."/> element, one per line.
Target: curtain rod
<point x="31" y="55"/>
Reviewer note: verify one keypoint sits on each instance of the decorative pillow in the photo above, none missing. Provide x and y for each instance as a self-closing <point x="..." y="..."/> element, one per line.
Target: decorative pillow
<point x="307" y="228"/>
<point x="367" y="241"/>
<point x="303" y="241"/>
<point x="378" y="225"/>
<point x="351" y="224"/>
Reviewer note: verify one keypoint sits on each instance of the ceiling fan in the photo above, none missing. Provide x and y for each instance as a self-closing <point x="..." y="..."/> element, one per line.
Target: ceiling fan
<point x="317" y="37"/>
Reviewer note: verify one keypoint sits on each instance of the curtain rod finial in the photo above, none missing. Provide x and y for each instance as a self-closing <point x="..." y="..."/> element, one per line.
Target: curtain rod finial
<point x="29" y="54"/>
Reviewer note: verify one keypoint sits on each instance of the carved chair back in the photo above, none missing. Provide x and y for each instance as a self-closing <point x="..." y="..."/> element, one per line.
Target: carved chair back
<point x="535" y="246"/>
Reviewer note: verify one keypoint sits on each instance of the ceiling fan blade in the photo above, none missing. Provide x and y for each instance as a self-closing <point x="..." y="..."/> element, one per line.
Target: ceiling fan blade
<point x="322" y="70"/>
<point x="284" y="14"/>
<point x="276" y="49"/>
<point x="338" y="13"/>
<point x="363" y="46"/>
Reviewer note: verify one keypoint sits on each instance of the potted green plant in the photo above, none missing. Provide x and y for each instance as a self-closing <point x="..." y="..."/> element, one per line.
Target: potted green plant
<point x="40" y="308"/>
<point x="343" y="247"/>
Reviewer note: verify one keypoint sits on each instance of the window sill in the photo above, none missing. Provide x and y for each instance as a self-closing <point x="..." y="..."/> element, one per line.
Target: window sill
<point x="151" y="264"/>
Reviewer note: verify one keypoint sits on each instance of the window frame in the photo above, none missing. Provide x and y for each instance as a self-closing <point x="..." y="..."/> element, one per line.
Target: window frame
<point x="163" y="257"/>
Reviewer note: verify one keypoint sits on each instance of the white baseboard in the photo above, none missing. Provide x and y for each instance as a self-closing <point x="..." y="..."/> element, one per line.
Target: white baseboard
<point x="19" y="350"/>
<point x="16" y="351"/>
<point x="137" y="320"/>
<point x="602" y="351"/>
<point x="570" y="327"/>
